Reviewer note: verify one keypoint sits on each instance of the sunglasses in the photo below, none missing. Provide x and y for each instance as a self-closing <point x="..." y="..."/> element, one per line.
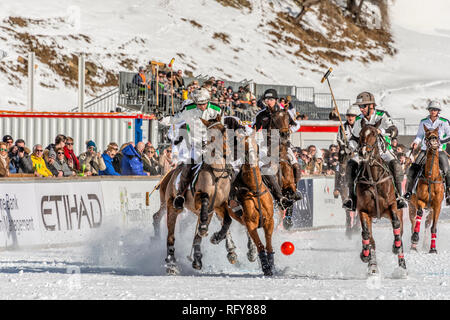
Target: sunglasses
<point x="69" y="143"/>
<point x="60" y="153"/>
<point x="37" y="150"/>
<point x="1" y="149"/>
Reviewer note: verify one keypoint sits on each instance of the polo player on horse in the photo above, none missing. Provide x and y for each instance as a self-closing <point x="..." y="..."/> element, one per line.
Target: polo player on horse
<point x="433" y="121"/>
<point x="387" y="130"/>
<point x="195" y="132"/>
<point x="343" y="139"/>
<point x="263" y="121"/>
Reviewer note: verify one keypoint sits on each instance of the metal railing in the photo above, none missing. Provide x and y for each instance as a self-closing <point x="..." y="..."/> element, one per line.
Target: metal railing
<point x="304" y="94"/>
<point x="323" y="100"/>
<point x="282" y="90"/>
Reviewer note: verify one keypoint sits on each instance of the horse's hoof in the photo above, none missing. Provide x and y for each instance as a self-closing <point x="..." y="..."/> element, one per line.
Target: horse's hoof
<point x="172" y="270"/>
<point x="252" y="255"/>
<point x="415" y="238"/>
<point x="216" y="238"/>
<point x="433" y="250"/>
<point x="197" y="264"/>
<point x="268" y="272"/>
<point x="364" y="258"/>
<point x="232" y="257"/>
<point x="288" y="223"/>
<point x="202" y="230"/>
<point x="373" y="270"/>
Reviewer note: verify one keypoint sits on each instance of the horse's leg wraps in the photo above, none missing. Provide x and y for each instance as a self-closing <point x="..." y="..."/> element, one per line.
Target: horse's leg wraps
<point x="204" y="209"/>
<point x="433" y="240"/>
<point x="418" y="220"/>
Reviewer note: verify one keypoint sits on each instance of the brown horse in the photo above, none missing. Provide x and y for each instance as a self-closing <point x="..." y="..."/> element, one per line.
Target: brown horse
<point x="286" y="175"/>
<point x="376" y="197"/>
<point x="429" y="192"/>
<point x="209" y="195"/>
<point x="257" y="204"/>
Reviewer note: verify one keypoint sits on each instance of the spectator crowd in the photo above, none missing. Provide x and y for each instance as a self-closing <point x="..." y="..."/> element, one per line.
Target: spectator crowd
<point x="58" y="159"/>
<point x="324" y="161"/>
<point x="240" y="103"/>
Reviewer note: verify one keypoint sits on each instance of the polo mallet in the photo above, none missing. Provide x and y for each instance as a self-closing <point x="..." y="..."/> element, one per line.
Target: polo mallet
<point x="159" y="183"/>
<point x="325" y="77"/>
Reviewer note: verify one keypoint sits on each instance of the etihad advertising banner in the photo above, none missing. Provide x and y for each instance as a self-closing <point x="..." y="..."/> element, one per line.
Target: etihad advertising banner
<point x="69" y="211"/>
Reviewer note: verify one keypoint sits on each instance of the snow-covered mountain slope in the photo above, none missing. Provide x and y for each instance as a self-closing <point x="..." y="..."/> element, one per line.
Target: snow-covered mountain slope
<point x="206" y="37"/>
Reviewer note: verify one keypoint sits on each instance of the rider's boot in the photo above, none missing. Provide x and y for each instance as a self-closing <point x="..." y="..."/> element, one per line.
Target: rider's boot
<point x="297" y="174"/>
<point x="397" y="173"/>
<point x="276" y="191"/>
<point x="185" y="178"/>
<point x="411" y="176"/>
<point x="351" y="172"/>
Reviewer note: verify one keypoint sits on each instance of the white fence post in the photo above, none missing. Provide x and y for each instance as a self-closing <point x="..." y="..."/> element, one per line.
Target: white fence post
<point x="31" y="56"/>
<point x="81" y="82"/>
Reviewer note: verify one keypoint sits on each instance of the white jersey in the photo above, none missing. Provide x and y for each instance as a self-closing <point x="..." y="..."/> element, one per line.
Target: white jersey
<point x="386" y="126"/>
<point x="444" y="131"/>
<point x="191" y="115"/>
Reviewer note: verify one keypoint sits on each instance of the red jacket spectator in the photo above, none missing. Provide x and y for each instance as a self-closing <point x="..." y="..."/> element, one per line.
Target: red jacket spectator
<point x="69" y="154"/>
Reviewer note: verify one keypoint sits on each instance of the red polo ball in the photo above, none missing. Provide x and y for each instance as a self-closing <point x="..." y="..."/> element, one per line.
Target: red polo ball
<point x="287" y="248"/>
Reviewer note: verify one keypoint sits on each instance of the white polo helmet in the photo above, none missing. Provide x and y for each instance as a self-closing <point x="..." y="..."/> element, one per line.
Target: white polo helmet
<point x="353" y="111"/>
<point x="201" y="96"/>
<point x="433" y="104"/>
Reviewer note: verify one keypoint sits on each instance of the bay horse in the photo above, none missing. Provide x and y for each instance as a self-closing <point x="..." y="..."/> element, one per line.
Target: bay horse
<point x="376" y="197"/>
<point x="285" y="172"/>
<point x="429" y="192"/>
<point x="209" y="194"/>
<point x="257" y="205"/>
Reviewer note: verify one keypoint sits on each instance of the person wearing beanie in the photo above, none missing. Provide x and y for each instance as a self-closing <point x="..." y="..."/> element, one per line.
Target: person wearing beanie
<point x="91" y="161"/>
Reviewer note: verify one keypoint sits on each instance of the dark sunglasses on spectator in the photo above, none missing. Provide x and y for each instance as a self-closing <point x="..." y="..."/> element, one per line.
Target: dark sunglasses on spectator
<point x="60" y="152"/>
<point x="39" y="150"/>
<point x="169" y="150"/>
<point x="116" y="149"/>
<point x="69" y="143"/>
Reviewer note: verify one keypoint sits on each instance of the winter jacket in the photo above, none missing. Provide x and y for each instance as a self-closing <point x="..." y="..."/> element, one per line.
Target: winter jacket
<point x="40" y="167"/>
<point x="131" y="162"/>
<point x="4" y="167"/>
<point x="25" y="164"/>
<point x="117" y="161"/>
<point x="13" y="162"/>
<point x="62" y="166"/>
<point x="69" y="154"/>
<point x="93" y="163"/>
<point x="109" y="171"/>
<point x="151" y="166"/>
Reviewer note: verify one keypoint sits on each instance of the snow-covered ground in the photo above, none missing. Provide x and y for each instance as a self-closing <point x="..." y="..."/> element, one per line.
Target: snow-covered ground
<point x="127" y="264"/>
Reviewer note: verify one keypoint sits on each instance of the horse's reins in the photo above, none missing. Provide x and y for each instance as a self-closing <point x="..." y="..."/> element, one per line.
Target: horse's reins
<point x="371" y="182"/>
<point x="428" y="178"/>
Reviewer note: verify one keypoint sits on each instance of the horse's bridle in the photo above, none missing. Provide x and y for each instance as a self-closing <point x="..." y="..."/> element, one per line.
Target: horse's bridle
<point x="369" y="162"/>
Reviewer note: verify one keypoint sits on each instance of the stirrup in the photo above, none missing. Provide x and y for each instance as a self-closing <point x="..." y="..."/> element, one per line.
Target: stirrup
<point x="178" y="202"/>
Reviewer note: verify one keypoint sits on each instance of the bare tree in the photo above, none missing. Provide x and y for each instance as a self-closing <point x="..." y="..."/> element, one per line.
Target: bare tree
<point x="304" y="5"/>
